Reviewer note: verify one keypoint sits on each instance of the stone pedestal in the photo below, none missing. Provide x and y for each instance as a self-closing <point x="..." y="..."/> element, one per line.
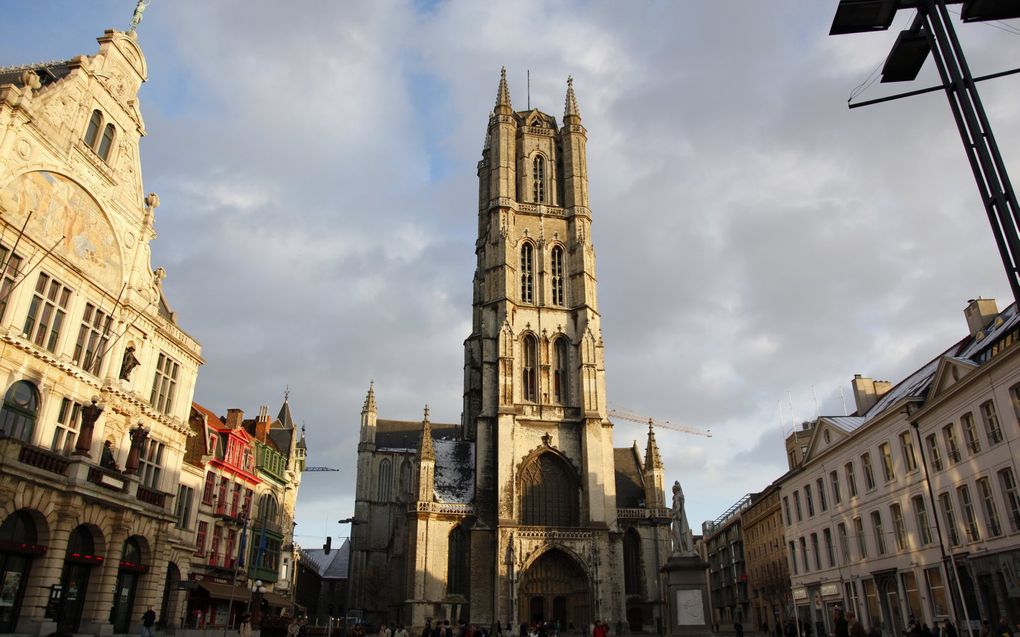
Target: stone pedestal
<point x="689" y="614"/>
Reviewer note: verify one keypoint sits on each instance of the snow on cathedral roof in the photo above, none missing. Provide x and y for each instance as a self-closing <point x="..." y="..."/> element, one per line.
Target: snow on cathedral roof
<point x="455" y="471"/>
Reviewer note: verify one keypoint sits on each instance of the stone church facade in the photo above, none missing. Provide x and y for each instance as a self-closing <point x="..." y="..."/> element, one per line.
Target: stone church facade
<point x="523" y="511"/>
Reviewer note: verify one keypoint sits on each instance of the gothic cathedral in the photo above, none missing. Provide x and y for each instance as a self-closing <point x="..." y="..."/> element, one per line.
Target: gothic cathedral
<point x="523" y="511"/>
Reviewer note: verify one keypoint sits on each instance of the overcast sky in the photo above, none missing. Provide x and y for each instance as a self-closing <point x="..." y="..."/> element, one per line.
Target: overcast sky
<point x="758" y="243"/>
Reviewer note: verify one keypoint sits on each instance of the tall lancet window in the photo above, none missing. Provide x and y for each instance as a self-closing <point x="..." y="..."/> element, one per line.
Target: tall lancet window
<point x="529" y="381"/>
<point x="560" y="370"/>
<point x="557" y="275"/>
<point x="538" y="176"/>
<point x="385" y="479"/>
<point x="527" y="273"/>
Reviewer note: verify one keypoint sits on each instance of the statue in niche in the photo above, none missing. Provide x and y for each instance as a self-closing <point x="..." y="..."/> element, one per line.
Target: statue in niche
<point x="683" y="538"/>
<point x="128" y="363"/>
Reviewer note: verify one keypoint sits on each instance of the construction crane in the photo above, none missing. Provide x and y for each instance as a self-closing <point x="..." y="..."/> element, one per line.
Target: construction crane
<point x="320" y="469"/>
<point x="629" y="415"/>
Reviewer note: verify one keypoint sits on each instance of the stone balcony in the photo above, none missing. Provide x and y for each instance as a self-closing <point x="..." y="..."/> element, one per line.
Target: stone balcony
<point x="78" y="474"/>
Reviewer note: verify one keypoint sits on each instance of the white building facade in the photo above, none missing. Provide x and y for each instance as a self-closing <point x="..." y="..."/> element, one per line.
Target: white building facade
<point x="912" y="503"/>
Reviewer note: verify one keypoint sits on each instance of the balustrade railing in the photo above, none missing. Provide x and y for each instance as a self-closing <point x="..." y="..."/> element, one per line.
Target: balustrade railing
<point x="43" y="459"/>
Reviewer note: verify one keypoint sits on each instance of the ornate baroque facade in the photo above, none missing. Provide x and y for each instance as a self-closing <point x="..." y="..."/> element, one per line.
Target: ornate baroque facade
<point x="88" y="532"/>
<point x="523" y="511"/>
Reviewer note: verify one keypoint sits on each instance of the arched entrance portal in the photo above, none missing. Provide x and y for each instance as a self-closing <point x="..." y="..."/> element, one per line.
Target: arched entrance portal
<point x="555" y="589"/>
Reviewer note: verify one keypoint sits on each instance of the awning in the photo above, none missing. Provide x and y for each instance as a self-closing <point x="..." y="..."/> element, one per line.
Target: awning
<point x="226" y="591"/>
<point x="278" y="601"/>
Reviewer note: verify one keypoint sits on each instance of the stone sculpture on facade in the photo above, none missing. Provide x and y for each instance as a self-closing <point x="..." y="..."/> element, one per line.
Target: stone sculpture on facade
<point x="138" y="436"/>
<point x="683" y="537"/>
<point x="128" y="363"/>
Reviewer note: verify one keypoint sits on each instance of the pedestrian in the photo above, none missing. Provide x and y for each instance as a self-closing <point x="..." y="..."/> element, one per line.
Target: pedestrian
<point x="599" y="630"/>
<point x="926" y="631"/>
<point x="427" y="631"/>
<point x="842" y="625"/>
<point x="738" y="628"/>
<point x="294" y="627"/>
<point x="856" y="630"/>
<point x="948" y="630"/>
<point x="791" y="628"/>
<point x="986" y="628"/>
<point x="244" y="628"/>
<point x="149" y="623"/>
<point x="1003" y="628"/>
<point x="401" y="631"/>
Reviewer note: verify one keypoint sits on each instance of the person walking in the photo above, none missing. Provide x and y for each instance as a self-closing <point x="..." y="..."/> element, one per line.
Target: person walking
<point x="149" y="623"/>
<point x="244" y="628"/>
<point x="856" y="630"/>
<point x="841" y="624"/>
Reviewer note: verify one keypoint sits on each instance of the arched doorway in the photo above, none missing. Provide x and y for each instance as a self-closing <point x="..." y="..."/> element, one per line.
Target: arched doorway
<point x="555" y="588"/>
<point x="130" y="571"/>
<point x="168" y="611"/>
<point x="18" y="547"/>
<point x="79" y="562"/>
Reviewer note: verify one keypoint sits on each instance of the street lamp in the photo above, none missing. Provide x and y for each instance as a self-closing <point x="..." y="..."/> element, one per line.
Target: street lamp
<point x="350" y="559"/>
<point x="932" y="32"/>
<point x="257" y="591"/>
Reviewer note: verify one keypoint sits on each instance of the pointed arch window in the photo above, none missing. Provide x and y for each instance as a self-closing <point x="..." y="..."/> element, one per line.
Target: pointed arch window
<point x="632" y="563"/>
<point x="406" y="481"/>
<point x="21" y="404"/>
<point x="556" y="267"/>
<point x="548" y="493"/>
<point x="385" y="479"/>
<point x="92" y="132"/>
<point x="527" y="273"/>
<point x="538" y="176"/>
<point x="456" y="562"/>
<point x="107" y="142"/>
<point x="560" y="370"/>
<point x="529" y="380"/>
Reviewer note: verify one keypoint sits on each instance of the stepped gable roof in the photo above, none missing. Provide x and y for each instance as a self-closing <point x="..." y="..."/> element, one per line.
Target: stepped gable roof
<point x="195" y="446"/>
<point x="332" y="566"/>
<point x="405" y="435"/>
<point x="630" y="489"/>
<point x="48" y="72"/>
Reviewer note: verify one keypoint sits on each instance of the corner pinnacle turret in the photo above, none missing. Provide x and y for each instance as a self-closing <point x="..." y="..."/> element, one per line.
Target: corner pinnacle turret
<point x="571" y="114"/>
<point x="427" y="451"/>
<point x="369" y="405"/>
<point x="503" y="106"/>
<point x="652" y="458"/>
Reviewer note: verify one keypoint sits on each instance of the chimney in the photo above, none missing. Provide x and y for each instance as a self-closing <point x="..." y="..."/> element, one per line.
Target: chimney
<point x="979" y="313"/>
<point x="868" y="391"/>
<point x="234" y="418"/>
<point x="262" y="424"/>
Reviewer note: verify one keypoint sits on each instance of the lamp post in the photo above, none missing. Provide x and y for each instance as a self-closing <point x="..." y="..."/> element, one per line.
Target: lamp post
<point x="350" y="559"/>
<point x="932" y="32"/>
<point x="257" y="591"/>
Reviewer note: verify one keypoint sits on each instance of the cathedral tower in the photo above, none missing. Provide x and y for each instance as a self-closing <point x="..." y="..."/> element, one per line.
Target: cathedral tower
<point x="534" y="375"/>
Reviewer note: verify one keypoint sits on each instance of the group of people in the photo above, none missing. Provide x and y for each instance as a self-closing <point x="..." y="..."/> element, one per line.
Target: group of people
<point x="466" y="629"/>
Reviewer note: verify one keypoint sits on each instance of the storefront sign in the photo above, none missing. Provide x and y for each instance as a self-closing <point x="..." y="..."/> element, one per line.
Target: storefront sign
<point x="800" y="593"/>
<point x="830" y="590"/>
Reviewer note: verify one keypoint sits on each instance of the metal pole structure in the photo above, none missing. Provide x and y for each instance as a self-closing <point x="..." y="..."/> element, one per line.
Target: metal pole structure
<point x="982" y="150"/>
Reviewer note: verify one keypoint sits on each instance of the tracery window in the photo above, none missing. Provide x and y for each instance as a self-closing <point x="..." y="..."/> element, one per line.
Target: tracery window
<point x="529" y="380"/>
<point x="632" y="563"/>
<point x="268" y="508"/>
<point x="406" y="482"/>
<point x="560" y="370"/>
<point x="385" y="479"/>
<point x="538" y="177"/>
<point x="556" y="267"/>
<point x="527" y="273"/>
<point x="548" y="493"/>
<point x="21" y="404"/>
<point x="456" y="562"/>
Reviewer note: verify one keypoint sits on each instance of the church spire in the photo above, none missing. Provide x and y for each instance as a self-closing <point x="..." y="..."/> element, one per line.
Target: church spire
<point x="571" y="114"/>
<point x="503" y="106"/>
<point x="427" y="451"/>
<point x="652" y="458"/>
<point x="369" y="406"/>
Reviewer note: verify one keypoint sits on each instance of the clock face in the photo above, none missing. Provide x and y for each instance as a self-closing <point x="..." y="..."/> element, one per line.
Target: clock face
<point x="690" y="608"/>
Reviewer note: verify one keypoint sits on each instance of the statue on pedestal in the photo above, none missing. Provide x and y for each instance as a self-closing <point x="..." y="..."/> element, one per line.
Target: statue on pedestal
<point x="683" y="537"/>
